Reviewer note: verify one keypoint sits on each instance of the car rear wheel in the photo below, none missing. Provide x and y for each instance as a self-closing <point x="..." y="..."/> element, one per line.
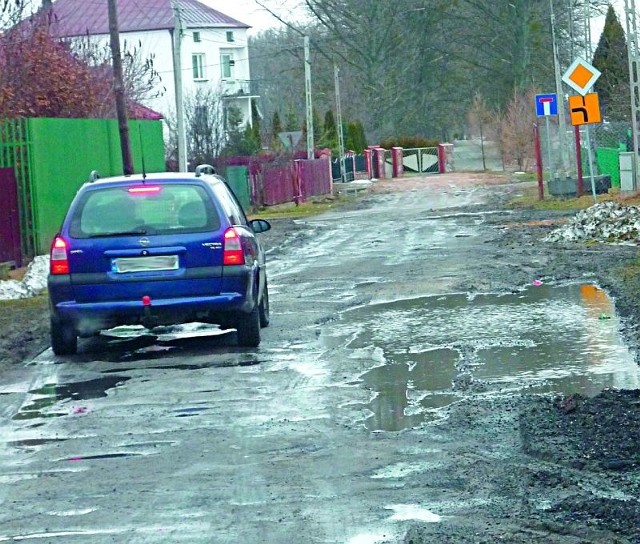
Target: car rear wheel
<point x="64" y="340"/>
<point x="248" y="327"/>
<point x="264" y="307"/>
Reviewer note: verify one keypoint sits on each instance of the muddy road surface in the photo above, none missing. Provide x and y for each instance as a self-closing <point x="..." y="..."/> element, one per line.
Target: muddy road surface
<point x="432" y="373"/>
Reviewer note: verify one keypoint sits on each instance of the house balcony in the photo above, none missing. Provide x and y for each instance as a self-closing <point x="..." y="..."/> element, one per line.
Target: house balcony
<point x="239" y="88"/>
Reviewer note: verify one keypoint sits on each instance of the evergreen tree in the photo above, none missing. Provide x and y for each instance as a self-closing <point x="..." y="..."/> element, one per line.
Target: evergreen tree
<point x="256" y="135"/>
<point x="239" y="134"/>
<point x="330" y="132"/>
<point x="361" y="140"/>
<point x="292" y="124"/>
<point x="276" y="128"/>
<point x="611" y="59"/>
<point x="355" y="140"/>
<point x="317" y="126"/>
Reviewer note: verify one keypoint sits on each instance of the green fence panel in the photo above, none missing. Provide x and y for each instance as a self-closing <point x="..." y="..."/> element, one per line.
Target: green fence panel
<point x="608" y="162"/>
<point x="238" y="179"/>
<point x="147" y="146"/>
<point x="65" y="151"/>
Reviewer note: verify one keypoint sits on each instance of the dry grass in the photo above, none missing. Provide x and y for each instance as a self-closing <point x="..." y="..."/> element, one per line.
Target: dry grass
<point x="530" y="200"/>
<point x="306" y="209"/>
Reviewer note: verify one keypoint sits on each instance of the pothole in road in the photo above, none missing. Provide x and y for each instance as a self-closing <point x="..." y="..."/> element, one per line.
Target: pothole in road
<point x="435" y="351"/>
<point x="44" y="398"/>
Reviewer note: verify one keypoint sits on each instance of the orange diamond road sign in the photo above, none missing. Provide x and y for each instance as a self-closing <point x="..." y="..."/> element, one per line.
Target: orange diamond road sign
<point x="585" y="110"/>
<point x="581" y="76"/>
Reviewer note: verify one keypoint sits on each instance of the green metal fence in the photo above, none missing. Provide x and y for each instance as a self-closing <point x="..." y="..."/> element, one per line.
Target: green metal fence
<point x="608" y="162"/>
<point x="15" y="153"/>
<point x="238" y="179"/>
<point x="52" y="158"/>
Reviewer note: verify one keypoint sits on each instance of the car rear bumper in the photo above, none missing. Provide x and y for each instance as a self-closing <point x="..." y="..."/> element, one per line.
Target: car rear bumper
<point x="136" y="304"/>
<point x="89" y="318"/>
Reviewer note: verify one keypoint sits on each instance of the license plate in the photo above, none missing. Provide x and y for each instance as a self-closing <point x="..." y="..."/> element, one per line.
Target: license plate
<point x="145" y="264"/>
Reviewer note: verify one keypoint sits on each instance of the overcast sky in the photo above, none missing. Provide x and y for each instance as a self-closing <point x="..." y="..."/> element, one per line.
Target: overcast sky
<point x="247" y="11"/>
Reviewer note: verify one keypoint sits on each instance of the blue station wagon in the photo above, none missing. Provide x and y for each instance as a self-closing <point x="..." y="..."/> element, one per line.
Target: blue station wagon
<point x="157" y="249"/>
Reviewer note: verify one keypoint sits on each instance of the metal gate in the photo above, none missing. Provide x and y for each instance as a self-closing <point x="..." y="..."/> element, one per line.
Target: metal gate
<point x="421" y="160"/>
<point x="10" y="252"/>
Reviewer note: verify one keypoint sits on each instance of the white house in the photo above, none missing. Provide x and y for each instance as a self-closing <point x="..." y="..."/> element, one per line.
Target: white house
<point x="214" y="53"/>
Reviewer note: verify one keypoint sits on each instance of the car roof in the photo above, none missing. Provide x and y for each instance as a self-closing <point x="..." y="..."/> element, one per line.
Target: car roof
<point x="152" y="178"/>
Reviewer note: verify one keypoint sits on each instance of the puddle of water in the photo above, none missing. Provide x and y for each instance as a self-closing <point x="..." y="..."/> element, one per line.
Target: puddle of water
<point x="47" y="396"/>
<point x="103" y="456"/>
<point x="34" y="442"/>
<point x="188" y="366"/>
<point x="191" y="411"/>
<point x="562" y="339"/>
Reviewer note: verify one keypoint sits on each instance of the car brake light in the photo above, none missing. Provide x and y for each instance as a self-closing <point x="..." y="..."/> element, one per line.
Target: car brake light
<point x="144" y="189"/>
<point x="232" y="253"/>
<point x="59" y="262"/>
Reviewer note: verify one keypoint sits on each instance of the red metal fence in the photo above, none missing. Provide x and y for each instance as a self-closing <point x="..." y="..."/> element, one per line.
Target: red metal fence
<point x="281" y="180"/>
<point x="314" y="177"/>
<point x="278" y="185"/>
<point x="10" y="251"/>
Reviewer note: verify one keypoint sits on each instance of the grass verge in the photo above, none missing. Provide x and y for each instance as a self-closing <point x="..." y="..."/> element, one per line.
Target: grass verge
<point x="529" y="199"/>
<point x="306" y="209"/>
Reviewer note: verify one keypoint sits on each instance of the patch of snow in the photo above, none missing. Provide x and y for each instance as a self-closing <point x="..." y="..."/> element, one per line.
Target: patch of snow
<point x="412" y="512"/>
<point x="608" y="222"/>
<point x="33" y="283"/>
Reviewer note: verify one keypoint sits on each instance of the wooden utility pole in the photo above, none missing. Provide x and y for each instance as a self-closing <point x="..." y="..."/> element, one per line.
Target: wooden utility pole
<point x="177" y="33"/>
<point x="118" y="89"/>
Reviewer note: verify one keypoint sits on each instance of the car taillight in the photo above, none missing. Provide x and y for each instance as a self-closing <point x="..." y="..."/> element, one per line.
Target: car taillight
<point x="232" y="253"/>
<point x="59" y="262"/>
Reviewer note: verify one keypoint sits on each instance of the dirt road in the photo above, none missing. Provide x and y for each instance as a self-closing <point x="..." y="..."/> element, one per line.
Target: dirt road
<point x="406" y="391"/>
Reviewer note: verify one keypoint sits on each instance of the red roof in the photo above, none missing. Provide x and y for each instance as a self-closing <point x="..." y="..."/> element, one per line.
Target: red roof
<point x="138" y="111"/>
<point x="80" y="17"/>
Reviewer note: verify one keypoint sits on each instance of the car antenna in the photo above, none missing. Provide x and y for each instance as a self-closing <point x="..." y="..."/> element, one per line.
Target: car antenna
<point x="144" y="171"/>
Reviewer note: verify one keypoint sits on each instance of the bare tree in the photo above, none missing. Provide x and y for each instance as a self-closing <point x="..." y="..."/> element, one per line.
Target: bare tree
<point x="11" y="12"/>
<point x="205" y="128"/>
<point x="141" y="80"/>
<point x="516" y="131"/>
<point x="413" y="66"/>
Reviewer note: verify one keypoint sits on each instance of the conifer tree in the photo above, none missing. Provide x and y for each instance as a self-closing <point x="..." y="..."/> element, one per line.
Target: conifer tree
<point x="610" y="58"/>
<point x="276" y="129"/>
<point x="256" y="134"/>
<point x="330" y="132"/>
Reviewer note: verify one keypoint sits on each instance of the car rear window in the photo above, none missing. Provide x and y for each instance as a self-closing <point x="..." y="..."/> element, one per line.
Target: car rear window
<point x="147" y="209"/>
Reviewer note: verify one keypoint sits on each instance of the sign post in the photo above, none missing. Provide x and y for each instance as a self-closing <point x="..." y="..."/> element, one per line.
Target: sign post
<point x="584" y="109"/>
<point x="546" y="106"/>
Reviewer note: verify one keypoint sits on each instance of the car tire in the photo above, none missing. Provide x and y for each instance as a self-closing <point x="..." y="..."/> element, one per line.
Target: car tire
<point x="248" y="327"/>
<point x="64" y="340"/>
<point x="264" y="307"/>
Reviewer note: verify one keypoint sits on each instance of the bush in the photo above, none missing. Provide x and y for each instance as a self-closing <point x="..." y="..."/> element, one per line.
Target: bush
<point x="409" y="142"/>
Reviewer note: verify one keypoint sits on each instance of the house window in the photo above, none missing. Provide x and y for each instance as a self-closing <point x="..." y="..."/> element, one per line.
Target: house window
<point x="197" y="61"/>
<point x="227" y="63"/>
<point x="230" y="36"/>
<point x="196" y="37"/>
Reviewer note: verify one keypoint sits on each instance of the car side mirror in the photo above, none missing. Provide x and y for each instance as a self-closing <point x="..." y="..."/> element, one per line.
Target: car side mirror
<point x="260" y="225"/>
